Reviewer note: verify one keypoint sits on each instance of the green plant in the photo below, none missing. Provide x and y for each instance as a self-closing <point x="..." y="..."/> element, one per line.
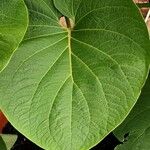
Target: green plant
<point x="78" y="71"/>
<point x="13" y="25"/>
<point x="137" y="125"/>
<point x="7" y="141"/>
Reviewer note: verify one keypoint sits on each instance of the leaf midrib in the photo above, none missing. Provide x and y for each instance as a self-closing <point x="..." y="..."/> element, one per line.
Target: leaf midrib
<point x="71" y="75"/>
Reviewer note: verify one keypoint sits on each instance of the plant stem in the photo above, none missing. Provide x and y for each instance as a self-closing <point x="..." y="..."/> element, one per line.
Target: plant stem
<point x="68" y="22"/>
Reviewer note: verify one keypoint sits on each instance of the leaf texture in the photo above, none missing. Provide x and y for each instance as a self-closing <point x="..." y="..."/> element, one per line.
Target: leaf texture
<point x="7" y="141"/>
<point x="13" y="25"/>
<point x="66" y="89"/>
<point x="137" y="124"/>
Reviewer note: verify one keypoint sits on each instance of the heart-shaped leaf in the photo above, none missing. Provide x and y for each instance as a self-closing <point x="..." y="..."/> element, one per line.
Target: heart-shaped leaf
<point x="137" y="124"/>
<point x="13" y="25"/>
<point x="75" y="78"/>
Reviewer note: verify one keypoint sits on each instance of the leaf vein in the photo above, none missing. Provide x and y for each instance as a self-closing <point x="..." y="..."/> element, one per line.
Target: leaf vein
<point x="109" y="56"/>
<point x="34" y="55"/>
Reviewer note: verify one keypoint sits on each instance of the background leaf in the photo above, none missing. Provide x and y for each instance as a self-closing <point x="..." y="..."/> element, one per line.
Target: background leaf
<point x="66" y="89"/>
<point x="137" y="124"/>
<point x="13" y="25"/>
<point x="7" y="141"/>
<point x="2" y="144"/>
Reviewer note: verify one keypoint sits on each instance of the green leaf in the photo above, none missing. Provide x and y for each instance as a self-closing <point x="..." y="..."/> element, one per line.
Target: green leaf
<point x="13" y="25"/>
<point x="137" y="124"/>
<point x="2" y="144"/>
<point x="7" y="141"/>
<point x="67" y="88"/>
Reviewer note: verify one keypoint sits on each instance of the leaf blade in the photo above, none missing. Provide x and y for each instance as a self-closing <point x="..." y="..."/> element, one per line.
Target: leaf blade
<point x="72" y="72"/>
<point x="136" y="124"/>
<point x="7" y="141"/>
<point x="13" y="23"/>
